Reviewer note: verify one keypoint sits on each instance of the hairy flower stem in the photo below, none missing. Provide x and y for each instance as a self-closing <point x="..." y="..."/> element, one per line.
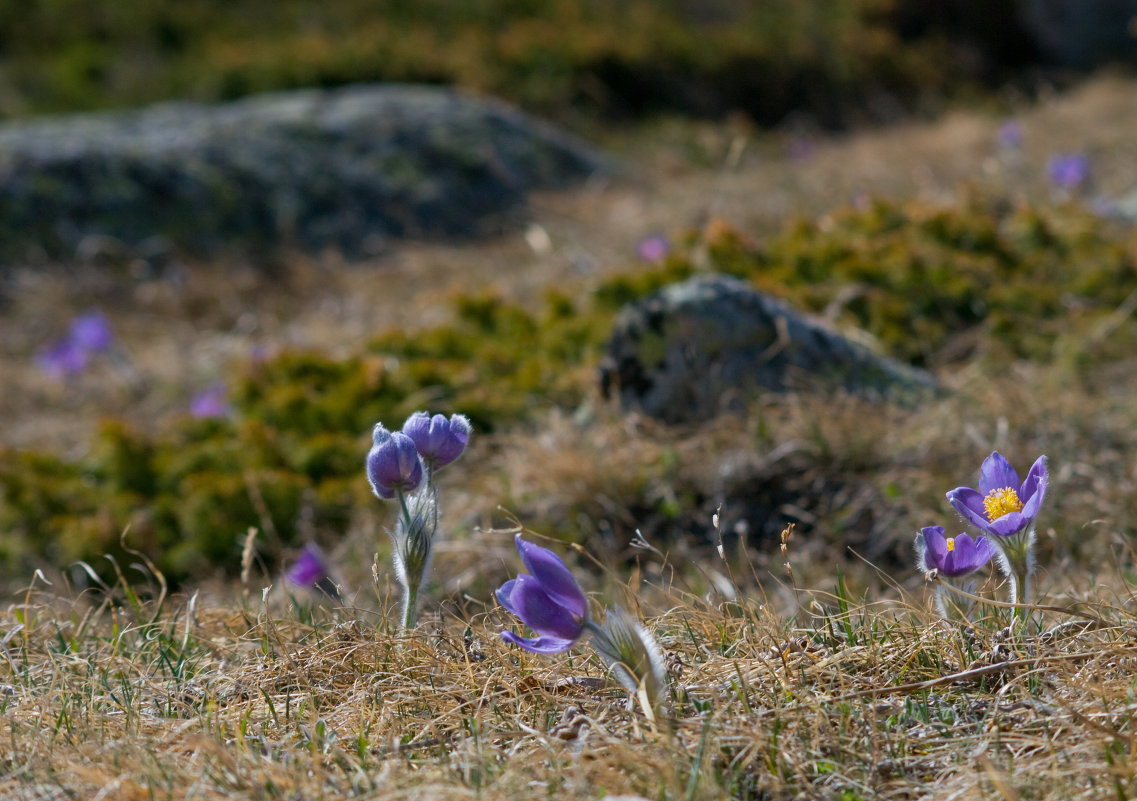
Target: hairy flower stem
<point x="1017" y="564"/>
<point x="411" y="582"/>
<point x="410" y="605"/>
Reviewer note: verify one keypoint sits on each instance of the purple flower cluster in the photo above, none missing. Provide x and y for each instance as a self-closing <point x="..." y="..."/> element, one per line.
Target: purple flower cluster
<point x="1004" y="509"/>
<point x="68" y="357"/>
<point x="401" y="465"/>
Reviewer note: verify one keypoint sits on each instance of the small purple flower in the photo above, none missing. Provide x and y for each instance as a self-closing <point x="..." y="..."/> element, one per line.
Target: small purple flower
<point x="393" y="463"/>
<point x="92" y="332"/>
<point x="309" y="568"/>
<point x="210" y="403"/>
<point x="548" y="600"/>
<point x="951" y="556"/>
<point x="1002" y="505"/>
<point x="63" y="359"/>
<point x="439" y="441"/>
<point x="311" y="571"/>
<point x="653" y="249"/>
<point x="1068" y="170"/>
<point x="1010" y="135"/>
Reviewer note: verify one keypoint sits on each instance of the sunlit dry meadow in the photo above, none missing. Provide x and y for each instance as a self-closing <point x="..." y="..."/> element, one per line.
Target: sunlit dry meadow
<point x="801" y="666"/>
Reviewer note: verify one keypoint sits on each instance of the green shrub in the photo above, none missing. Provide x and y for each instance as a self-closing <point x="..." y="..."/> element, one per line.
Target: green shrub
<point x="624" y="58"/>
<point x="1021" y="282"/>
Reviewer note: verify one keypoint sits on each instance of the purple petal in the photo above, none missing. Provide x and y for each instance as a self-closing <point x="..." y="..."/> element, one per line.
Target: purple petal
<point x="969" y="504"/>
<point x="429" y="433"/>
<point x="458" y="436"/>
<point x="1034" y="488"/>
<point x="997" y="473"/>
<point x="1008" y="524"/>
<point x="526" y="598"/>
<point x="538" y="645"/>
<point x="935" y="547"/>
<point x="554" y="578"/>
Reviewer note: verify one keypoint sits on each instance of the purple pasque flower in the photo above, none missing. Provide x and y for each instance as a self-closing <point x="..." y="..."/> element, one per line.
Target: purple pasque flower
<point x="1002" y="505"/>
<point x="210" y="403"/>
<point x="393" y="463"/>
<point x="312" y="572"/>
<point x="653" y="249"/>
<point x="92" y="332"/>
<point x="1068" y="170"/>
<point x="951" y="556"/>
<point x="439" y="441"/>
<point x="547" y="599"/>
<point x="63" y="359"/>
<point x="309" y="568"/>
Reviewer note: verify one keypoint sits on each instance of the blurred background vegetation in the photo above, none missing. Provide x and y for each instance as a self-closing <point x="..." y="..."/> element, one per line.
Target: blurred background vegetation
<point x="985" y="279"/>
<point x="574" y="60"/>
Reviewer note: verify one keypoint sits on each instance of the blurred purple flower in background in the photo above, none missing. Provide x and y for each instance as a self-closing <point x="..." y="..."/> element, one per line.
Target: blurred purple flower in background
<point x="653" y="249"/>
<point x="92" y="332"/>
<point x="311" y="571"/>
<point x="1010" y="135"/>
<point x="70" y="356"/>
<point x="62" y="360"/>
<point x="548" y="600"/>
<point x="1068" y="170"/>
<point x="210" y="403"/>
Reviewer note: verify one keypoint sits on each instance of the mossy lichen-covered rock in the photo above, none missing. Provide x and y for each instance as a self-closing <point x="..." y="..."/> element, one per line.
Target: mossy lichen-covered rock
<point x="310" y="169"/>
<point x="698" y="347"/>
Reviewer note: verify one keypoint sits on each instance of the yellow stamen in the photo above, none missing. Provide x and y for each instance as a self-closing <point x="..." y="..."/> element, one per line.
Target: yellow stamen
<point x="950" y="544"/>
<point x="1000" y="502"/>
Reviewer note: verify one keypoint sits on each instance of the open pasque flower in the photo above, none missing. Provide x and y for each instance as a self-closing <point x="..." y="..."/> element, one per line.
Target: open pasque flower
<point x="1002" y="505"/>
<point x="952" y="557"/>
<point x="547" y="599"/>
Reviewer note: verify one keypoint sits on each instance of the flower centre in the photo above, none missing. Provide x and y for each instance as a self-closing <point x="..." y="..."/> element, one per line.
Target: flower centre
<point x="950" y="544"/>
<point x="1000" y="502"/>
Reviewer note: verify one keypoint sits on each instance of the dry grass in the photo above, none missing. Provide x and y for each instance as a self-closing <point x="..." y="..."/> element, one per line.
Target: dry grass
<point x="843" y="697"/>
<point x="780" y="690"/>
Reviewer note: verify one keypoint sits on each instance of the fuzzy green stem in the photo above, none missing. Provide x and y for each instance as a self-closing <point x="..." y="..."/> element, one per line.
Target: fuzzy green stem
<point x="410" y="605"/>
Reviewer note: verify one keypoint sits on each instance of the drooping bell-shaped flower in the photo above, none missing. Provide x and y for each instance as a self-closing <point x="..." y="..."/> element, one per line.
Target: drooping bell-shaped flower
<point x="547" y="599"/>
<point x="439" y="440"/>
<point x="393" y="463"/>
<point x="312" y="572"/>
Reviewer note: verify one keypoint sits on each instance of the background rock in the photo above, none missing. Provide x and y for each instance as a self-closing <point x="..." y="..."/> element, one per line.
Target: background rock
<point x="709" y="343"/>
<point x="311" y="169"/>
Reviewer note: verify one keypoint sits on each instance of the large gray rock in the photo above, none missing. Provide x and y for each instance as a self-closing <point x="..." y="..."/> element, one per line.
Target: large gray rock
<point x="348" y="169"/>
<point x="712" y="342"/>
<point x="1083" y="33"/>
